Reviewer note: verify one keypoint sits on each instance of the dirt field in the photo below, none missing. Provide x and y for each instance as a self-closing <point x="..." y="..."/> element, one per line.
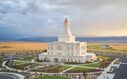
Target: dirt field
<point x="22" y="46"/>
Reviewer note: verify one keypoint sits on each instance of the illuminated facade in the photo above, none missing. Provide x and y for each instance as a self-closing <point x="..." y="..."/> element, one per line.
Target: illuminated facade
<point x="66" y="49"/>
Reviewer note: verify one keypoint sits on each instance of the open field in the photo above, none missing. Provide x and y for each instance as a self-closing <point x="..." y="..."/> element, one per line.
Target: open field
<point x="108" y="47"/>
<point x="13" y="47"/>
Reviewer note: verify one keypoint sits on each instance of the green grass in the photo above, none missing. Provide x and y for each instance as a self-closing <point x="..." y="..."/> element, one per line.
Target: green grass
<point x="18" y="62"/>
<point x="104" y="57"/>
<point x="51" y="77"/>
<point x="80" y="69"/>
<point x="24" y="61"/>
<point x="92" y="64"/>
<point x="64" y="67"/>
<point x="28" y="58"/>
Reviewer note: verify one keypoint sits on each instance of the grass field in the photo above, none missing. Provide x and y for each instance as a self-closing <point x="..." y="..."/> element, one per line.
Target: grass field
<point x="104" y="57"/>
<point x="51" y="77"/>
<point x="13" y="47"/>
<point x="113" y="47"/>
<point x="80" y="69"/>
<point x="64" y="67"/>
<point x="92" y="64"/>
<point x="18" y="62"/>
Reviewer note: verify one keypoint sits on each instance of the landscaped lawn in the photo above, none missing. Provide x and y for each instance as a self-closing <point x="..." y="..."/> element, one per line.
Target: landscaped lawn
<point x="28" y="58"/>
<point x="52" y="69"/>
<point x="92" y="64"/>
<point x="64" y="67"/>
<point x="51" y="77"/>
<point x="80" y="69"/>
<point x="18" y="62"/>
<point x="24" y="61"/>
<point x="104" y="57"/>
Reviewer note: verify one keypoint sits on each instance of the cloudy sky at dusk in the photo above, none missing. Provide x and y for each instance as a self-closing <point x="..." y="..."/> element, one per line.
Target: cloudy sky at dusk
<point x="45" y="17"/>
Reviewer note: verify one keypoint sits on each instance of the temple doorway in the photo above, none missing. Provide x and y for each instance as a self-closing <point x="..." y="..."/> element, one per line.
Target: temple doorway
<point x="56" y="60"/>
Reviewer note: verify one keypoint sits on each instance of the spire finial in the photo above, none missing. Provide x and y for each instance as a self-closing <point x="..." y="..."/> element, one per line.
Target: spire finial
<point x="67" y="23"/>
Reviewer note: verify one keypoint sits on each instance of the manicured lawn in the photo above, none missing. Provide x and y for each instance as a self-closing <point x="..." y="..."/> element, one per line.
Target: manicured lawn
<point x="28" y="58"/>
<point x="24" y="61"/>
<point x="104" y="57"/>
<point x="52" y="69"/>
<point x="51" y="77"/>
<point x="18" y="62"/>
<point x="80" y="69"/>
<point x="64" y="67"/>
<point x="92" y="64"/>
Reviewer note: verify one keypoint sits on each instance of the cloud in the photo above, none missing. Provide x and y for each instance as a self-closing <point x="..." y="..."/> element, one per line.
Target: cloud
<point x="44" y="17"/>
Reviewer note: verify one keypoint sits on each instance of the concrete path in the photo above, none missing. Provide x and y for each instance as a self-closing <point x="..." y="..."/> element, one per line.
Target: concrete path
<point x="33" y="61"/>
<point x="68" y="69"/>
<point x="4" y="65"/>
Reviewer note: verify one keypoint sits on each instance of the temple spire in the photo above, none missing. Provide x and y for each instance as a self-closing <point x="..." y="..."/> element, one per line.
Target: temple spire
<point x="67" y="24"/>
<point x="66" y="35"/>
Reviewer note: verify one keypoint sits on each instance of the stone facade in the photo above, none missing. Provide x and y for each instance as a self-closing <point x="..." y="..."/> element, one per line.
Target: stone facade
<point x="66" y="49"/>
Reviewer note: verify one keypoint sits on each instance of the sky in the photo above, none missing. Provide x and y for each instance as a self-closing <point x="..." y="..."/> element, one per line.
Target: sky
<point x="28" y="18"/>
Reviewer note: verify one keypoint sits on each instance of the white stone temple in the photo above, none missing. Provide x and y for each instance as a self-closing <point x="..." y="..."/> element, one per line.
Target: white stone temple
<point x="66" y="49"/>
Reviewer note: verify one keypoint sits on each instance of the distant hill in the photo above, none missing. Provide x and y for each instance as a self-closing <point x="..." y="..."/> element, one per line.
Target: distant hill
<point x="86" y="39"/>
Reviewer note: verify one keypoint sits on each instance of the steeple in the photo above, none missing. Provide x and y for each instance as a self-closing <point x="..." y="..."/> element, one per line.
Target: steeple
<point x="67" y="24"/>
<point x="66" y="36"/>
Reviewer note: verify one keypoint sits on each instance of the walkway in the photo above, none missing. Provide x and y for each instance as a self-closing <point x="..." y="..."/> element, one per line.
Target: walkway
<point x="33" y="61"/>
<point x="4" y="65"/>
<point x="68" y="69"/>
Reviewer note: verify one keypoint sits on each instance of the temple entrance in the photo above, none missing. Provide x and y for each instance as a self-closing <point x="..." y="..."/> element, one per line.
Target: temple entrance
<point x="56" y="60"/>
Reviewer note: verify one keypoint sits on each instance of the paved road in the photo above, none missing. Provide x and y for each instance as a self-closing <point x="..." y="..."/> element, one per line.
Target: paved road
<point x="121" y="72"/>
<point x="4" y="76"/>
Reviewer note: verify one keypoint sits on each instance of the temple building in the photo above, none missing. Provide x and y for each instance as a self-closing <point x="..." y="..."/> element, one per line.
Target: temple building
<point x="66" y="49"/>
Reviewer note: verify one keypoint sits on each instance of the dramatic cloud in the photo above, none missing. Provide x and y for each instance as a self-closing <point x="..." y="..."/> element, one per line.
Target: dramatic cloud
<point x="45" y="17"/>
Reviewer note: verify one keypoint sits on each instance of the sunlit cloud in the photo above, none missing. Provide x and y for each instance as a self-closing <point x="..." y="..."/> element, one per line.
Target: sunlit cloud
<point x="45" y="17"/>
